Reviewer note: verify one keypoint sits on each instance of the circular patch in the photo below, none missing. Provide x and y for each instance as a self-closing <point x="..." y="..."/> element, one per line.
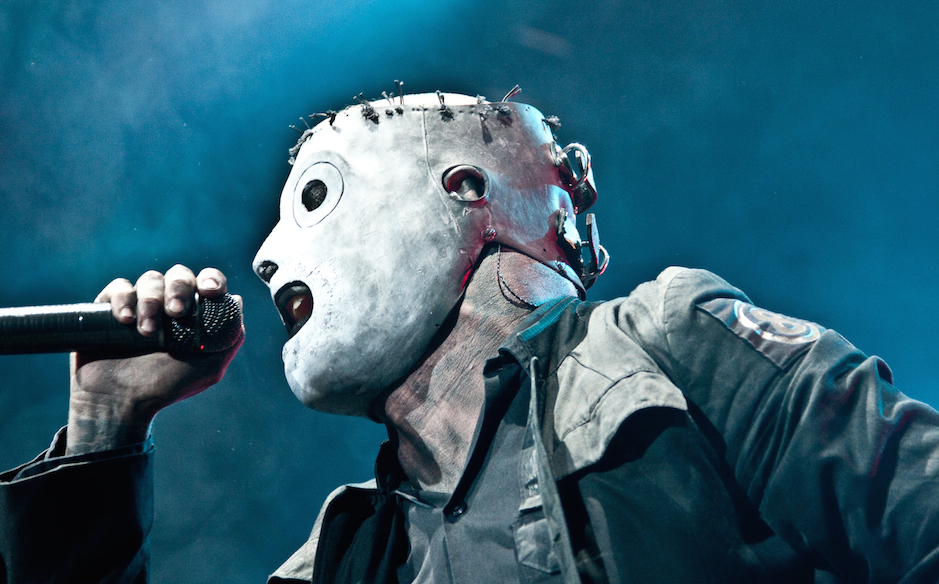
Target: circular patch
<point x="775" y="327"/>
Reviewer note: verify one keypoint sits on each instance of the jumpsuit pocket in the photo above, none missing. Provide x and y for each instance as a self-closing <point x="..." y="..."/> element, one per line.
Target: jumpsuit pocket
<point x="533" y="542"/>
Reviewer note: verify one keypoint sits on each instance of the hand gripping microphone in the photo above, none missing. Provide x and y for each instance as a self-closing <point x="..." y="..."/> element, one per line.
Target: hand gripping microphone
<point x="213" y="326"/>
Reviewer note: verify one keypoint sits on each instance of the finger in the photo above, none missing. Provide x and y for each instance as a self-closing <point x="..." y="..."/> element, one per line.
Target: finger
<point x="149" y="302"/>
<point x="179" y="287"/>
<point x="212" y="282"/>
<point x="120" y="293"/>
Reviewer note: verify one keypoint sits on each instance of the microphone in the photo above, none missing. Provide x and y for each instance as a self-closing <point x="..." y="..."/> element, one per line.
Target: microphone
<point x="213" y="326"/>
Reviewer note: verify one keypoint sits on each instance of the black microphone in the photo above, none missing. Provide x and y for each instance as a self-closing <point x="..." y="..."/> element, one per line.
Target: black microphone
<point x="213" y="326"/>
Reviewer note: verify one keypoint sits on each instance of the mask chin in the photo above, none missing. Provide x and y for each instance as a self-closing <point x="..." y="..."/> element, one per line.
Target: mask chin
<point x="331" y="402"/>
<point x="368" y="401"/>
<point x="370" y="324"/>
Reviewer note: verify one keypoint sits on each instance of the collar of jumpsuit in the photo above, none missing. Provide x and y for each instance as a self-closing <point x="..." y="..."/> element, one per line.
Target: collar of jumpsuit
<point x="383" y="218"/>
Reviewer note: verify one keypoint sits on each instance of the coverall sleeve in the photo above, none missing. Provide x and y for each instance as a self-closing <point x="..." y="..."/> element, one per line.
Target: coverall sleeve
<point x="839" y="463"/>
<point x="77" y="519"/>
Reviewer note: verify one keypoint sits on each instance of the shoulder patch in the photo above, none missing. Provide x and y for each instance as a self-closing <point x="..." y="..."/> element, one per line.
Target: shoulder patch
<point x="779" y="338"/>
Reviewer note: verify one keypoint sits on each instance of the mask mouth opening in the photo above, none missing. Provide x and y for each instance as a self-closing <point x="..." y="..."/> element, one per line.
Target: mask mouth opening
<point x="295" y="303"/>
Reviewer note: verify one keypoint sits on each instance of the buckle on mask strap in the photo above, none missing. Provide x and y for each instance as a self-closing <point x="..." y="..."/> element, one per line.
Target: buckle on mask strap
<point x="589" y="259"/>
<point x="577" y="174"/>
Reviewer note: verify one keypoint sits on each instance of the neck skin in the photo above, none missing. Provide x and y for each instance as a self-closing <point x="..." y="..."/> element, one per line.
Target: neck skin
<point x="434" y="411"/>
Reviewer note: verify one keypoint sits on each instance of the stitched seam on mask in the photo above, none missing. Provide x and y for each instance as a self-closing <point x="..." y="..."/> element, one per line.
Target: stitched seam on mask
<point x="430" y="173"/>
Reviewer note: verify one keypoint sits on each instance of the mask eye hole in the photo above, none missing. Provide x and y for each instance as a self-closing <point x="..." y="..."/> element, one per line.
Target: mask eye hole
<point x="316" y="193"/>
<point x="313" y="195"/>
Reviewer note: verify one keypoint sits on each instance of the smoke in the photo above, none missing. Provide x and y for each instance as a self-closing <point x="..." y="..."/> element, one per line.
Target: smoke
<point x="789" y="147"/>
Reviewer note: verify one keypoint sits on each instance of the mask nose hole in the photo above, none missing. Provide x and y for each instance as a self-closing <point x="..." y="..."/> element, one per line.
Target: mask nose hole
<point x="266" y="270"/>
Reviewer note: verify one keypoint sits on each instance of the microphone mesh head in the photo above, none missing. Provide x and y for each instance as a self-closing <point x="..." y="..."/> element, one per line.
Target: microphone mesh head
<point x="214" y="326"/>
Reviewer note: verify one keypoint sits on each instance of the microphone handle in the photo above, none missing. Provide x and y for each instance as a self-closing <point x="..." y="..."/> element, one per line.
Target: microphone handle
<point x="214" y="325"/>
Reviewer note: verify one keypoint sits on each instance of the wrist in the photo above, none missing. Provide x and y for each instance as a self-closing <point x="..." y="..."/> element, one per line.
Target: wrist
<point x="98" y="424"/>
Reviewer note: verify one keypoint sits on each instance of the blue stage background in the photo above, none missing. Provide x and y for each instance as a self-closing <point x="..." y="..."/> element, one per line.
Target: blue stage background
<point x="791" y="147"/>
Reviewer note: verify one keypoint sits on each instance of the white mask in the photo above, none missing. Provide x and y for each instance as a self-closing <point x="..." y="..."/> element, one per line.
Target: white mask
<point x="372" y="252"/>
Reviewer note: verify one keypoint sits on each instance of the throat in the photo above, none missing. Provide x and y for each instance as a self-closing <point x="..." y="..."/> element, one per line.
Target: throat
<point x="434" y="432"/>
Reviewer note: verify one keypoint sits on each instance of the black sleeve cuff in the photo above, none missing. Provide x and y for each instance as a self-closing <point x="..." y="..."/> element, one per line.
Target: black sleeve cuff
<point x="54" y="457"/>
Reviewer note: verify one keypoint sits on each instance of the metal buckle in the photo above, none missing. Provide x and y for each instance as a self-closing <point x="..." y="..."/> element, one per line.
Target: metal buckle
<point x="588" y="265"/>
<point x="577" y="174"/>
<point x="598" y="259"/>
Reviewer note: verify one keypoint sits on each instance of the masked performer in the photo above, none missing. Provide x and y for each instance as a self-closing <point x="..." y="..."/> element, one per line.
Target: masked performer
<point x="428" y="268"/>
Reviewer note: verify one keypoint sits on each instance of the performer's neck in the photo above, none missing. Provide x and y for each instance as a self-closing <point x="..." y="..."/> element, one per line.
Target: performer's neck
<point x="433" y="413"/>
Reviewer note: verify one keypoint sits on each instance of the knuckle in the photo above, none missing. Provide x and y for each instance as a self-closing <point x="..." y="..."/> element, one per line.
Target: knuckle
<point x="149" y="306"/>
<point x="210" y="272"/>
<point x="212" y="280"/>
<point x="179" y="271"/>
<point x="117" y="286"/>
<point x="149" y="302"/>
<point x="178" y="286"/>
<point x="150" y="284"/>
<point x="125" y="296"/>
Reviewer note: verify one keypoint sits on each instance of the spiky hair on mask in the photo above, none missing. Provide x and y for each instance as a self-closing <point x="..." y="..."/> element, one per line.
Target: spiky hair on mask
<point x="484" y="109"/>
